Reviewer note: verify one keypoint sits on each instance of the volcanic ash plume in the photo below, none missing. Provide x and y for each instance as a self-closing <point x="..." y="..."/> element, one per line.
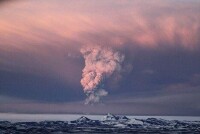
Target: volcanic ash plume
<point x="100" y="63"/>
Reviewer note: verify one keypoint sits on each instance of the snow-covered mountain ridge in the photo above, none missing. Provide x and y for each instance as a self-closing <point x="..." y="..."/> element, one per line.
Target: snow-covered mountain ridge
<point x="108" y="124"/>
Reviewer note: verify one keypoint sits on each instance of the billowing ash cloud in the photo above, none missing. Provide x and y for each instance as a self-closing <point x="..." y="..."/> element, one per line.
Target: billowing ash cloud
<point x="100" y="63"/>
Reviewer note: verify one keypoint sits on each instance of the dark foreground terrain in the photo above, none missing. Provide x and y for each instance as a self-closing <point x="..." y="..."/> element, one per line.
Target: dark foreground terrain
<point x="109" y="124"/>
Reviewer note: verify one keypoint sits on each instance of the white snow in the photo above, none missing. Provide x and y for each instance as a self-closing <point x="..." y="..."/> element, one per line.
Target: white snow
<point x="120" y="125"/>
<point x="134" y="121"/>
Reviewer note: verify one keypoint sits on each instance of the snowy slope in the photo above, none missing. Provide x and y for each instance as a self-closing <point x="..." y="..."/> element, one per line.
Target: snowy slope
<point x="108" y="124"/>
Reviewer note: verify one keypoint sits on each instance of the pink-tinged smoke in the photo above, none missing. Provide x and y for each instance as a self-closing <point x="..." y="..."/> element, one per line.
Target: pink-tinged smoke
<point x="100" y="64"/>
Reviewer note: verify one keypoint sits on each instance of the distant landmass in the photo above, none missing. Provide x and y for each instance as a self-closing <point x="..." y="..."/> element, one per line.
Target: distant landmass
<point x="108" y="124"/>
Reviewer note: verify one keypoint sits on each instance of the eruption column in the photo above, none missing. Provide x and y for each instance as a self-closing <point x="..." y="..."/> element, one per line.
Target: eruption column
<point x="100" y="63"/>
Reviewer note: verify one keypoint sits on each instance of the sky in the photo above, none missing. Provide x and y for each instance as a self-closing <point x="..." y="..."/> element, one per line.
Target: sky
<point x="42" y="62"/>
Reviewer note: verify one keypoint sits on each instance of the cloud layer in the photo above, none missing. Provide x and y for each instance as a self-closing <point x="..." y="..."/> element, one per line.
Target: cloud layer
<point x="40" y="44"/>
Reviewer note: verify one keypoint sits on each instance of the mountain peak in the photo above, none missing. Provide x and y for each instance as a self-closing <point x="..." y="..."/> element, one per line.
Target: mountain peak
<point x="83" y="119"/>
<point x="111" y="117"/>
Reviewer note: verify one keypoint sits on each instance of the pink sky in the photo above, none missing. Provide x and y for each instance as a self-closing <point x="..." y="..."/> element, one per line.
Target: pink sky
<point x="44" y="38"/>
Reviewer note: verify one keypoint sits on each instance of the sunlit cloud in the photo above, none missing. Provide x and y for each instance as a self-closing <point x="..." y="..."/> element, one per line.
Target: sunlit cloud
<point x="32" y="30"/>
<point x="45" y="37"/>
<point x="32" y="22"/>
